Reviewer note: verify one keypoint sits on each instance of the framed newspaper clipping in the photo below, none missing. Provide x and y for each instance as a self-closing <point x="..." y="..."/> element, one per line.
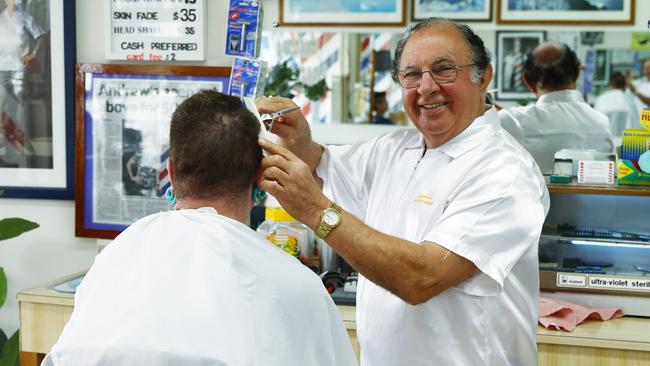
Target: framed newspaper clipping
<point x="122" y="130"/>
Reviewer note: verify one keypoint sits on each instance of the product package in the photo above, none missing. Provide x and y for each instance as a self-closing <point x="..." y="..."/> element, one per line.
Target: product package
<point x="245" y="77"/>
<point x="635" y="143"/>
<point x="645" y="119"/>
<point x="244" y="28"/>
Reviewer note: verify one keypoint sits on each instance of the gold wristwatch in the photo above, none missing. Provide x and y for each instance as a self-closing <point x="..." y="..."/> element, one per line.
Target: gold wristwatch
<point x="329" y="219"/>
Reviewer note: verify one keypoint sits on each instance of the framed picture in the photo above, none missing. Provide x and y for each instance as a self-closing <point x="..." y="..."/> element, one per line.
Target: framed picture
<point x="477" y="10"/>
<point x="512" y="49"/>
<point x="122" y="129"/>
<point x="37" y="55"/>
<point x="342" y="12"/>
<point x="601" y="67"/>
<point x="586" y="12"/>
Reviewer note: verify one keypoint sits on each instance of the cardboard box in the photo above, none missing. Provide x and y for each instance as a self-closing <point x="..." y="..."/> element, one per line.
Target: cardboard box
<point x="645" y="119"/>
<point x="635" y="143"/>
<point x="627" y="173"/>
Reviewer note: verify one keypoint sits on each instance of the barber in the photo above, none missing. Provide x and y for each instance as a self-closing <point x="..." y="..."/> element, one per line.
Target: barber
<point x="442" y="222"/>
<point x="560" y="119"/>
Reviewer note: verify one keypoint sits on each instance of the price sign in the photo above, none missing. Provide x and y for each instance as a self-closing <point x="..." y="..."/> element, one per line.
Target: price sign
<point x="162" y="30"/>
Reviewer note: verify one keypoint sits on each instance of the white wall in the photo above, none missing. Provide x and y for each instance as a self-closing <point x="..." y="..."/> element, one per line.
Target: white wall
<point x="52" y="250"/>
<point x="44" y="254"/>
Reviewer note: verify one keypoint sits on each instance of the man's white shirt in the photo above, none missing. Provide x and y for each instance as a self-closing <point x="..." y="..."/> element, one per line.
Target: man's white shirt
<point x="558" y="120"/>
<point x="467" y="196"/>
<point x="621" y="110"/>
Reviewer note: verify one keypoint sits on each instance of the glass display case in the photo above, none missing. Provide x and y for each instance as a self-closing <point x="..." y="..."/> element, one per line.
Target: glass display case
<point x="595" y="247"/>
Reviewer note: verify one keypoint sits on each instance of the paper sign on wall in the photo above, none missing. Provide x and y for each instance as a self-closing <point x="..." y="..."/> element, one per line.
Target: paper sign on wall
<point x="165" y="30"/>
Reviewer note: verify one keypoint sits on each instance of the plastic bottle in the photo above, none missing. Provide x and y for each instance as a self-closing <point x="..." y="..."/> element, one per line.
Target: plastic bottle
<point x="329" y="260"/>
<point x="288" y="234"/>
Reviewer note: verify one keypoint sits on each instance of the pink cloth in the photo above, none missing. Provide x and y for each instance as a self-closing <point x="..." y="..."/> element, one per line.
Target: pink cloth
<point x="562" y="315"/>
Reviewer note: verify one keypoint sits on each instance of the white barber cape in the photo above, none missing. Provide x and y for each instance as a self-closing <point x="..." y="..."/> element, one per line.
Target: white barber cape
<point x="620" y="109"/>
<point x="191" y="287"/>
<point x="482" y="197"/>
<point x="558" y="120"/>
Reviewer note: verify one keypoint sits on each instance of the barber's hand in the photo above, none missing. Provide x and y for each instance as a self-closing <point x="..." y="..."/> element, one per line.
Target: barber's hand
<point x="291" y="182"/>
<point x="292" y="126"/>
<point x="630" y="82"/>
<point x="27" y="58"/>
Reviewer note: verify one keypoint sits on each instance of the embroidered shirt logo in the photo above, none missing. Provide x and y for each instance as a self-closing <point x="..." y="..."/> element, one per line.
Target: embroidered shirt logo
<point x="423" y="199"/>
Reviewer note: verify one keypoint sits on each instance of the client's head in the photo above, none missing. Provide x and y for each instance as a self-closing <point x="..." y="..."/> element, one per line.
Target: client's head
<point x="213" y="148"/>
<point x="552" y="66"/>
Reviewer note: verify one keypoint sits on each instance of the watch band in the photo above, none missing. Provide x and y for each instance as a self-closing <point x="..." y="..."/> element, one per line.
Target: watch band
<point x="324" y="228"/>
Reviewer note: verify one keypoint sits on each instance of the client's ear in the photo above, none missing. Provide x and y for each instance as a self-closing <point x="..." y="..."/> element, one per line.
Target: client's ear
<point x="258" y="193"/>
<point x="258" y="177"/>
<point x="531" y="86"/>
<point x="170" y="171"/>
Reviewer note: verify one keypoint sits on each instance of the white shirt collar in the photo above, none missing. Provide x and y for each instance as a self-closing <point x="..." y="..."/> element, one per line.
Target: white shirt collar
<point x="211" y="210"/>
<point x="568" y="95"/>
<point x="476" y="133"/>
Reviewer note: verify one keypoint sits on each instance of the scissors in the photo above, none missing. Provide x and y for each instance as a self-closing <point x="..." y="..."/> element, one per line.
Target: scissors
<point x="269" y="119"/>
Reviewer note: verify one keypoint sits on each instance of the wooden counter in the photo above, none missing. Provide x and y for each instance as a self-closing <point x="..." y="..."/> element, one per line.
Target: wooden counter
<point x="623" y="341"/>
<point x="43" y="313"/>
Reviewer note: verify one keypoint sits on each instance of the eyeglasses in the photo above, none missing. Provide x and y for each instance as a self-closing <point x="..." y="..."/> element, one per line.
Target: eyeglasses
<point x="411" y="78"/>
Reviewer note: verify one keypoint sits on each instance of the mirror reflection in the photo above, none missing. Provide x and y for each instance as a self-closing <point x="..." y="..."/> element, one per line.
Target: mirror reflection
<point x="345" y="77"/>
<point x="335" y="77"/>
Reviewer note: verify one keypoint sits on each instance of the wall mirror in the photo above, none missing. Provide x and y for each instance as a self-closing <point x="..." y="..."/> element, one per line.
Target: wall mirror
<point x="336" y="77"/>
<point x="353" y="70"/>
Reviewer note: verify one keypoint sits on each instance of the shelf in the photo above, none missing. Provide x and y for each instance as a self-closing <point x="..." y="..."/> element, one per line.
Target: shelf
<point x="604" y="189"/>
<point x="596" y="241"/>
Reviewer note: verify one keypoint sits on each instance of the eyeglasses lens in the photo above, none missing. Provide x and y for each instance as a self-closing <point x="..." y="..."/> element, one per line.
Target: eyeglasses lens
<point x="413" y="78"/>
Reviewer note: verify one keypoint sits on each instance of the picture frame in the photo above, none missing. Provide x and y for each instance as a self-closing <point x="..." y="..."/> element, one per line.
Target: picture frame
<point x="555" y="12"/>
<point x="37" y="105"/>
<point x="512" y="47"/>
<point x="480" y="10"/>
<point x="602" y="67"/>
<point x="342" y="13"/>
<point x="122" y="130"/>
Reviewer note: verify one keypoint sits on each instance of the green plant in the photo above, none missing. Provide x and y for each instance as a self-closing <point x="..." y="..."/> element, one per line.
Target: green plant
<point x="522" y="102"/>
<point x="283" y="81"/>
<point x="10" y="228"/>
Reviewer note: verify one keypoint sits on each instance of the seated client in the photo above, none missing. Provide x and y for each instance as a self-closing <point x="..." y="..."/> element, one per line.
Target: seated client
<point x="195" y="285"/>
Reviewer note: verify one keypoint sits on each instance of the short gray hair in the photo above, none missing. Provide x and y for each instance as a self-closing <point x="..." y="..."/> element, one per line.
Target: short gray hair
<point x="478" y="54"/>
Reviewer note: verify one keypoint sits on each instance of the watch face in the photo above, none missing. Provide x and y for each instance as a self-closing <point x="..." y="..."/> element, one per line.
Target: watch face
<point x="331" y="217"/>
